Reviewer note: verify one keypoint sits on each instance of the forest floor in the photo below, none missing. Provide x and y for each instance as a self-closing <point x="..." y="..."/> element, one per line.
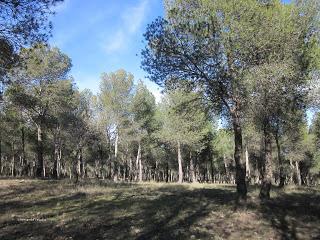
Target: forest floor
<point x="35" y="209"/>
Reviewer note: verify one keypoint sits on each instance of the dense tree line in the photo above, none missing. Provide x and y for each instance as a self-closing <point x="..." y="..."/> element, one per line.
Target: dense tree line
<point x="252" y="64"/>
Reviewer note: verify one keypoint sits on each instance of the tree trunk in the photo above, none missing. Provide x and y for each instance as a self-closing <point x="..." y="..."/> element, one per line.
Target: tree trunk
<point x="292" y="171"/>
<point x="59" y="160"/>
<point x="40" y="170"/>
<point x="0" y="155"/>
<point x="109" y="157"/>
<point x="167" y="171"/>
<point x="281" y="173"/>
<point x="130" y="169"/>
<point x="226" y="167"/>
<point x="212" y="171"/>
<point x="57" y="154"/>
<point x="82" y="162"/>
<point x="267" y="175"/>
<point x="115" y="172"/>
<point x="139" y="163"/>
<point x="248" y="173"/>
<point x="193" y="174"/>
<point x="78" y="163"/>
<point x="13" y="160"/>
<point x="24" y="160"/>
<point x="240" y="164"/>
<point x="298" y="173"/>
<point x="180" y="163"/>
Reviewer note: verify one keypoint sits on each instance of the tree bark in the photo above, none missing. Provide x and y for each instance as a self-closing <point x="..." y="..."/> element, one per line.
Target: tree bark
<point x="139" y="163"/>
<point x="57" y="154"/>
<point x="298" y="173"/>
<point x="267" y="175"/>
<point x="281" y="173"/>
<point x="180" y="163"/>
<point x="0" y="155"/>
<point x="240" y="164"/>
<point x="167" y="171"/>
<point x="192" y="170"/>
<point x="115" y="171"/>
<point x="13" y="160"/>
<point x="40" y="170"/>
<point x="130" y="169"/>
<point x="226" y="168"/>
<point x="82" y="167"/>
<point x="212" y="171"/>
<point x="55" y="166"/>
<point x="78" y="163"/>
<point x="248" y="173"/>
<point x="24" y="160"/>
<point x="292" y="171"/>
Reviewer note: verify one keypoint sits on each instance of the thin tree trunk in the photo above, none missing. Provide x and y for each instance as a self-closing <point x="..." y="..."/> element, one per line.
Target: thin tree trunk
<point x="193" y="175"/>
<point x="109" y="157"/>
<point x="140" y="169"/>
<point x="59" y="160"/>
<point x="167" y="171"/>
<point x="298" y="173"/>
<point x="24" y="160"/>
<point x="78" y="166"/>
<point x="281" y="173"/>
<point x="13" y="160"/>
<point x="240" y="164"/>
<point x="82" y="162"/>
<point x="226" y="167"/>
<point x="292" y="171"/>
<point x="40" y="165"/>
<point x="115" y="171"/>
<point x="116" y="146"/>
<point x="212" y="171"/>
<point x="0" y="155"/>
<point x="138" y="163"/>
<point x="57" y="154"/>
<point x="130" y="169"/>
<point x="180" y="163"/>
<point x="267" y="175"/>
<point x="248" y="173"/>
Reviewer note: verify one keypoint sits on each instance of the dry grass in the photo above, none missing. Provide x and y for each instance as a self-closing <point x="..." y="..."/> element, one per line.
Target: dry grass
<point x="31" y="209"/>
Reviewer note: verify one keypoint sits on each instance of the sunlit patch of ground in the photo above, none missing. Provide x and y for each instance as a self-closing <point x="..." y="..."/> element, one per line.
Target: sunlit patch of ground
<point x="34" y="209"/>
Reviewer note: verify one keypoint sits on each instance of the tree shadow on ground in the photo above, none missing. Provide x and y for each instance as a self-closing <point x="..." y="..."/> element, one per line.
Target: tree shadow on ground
<point x="294" y="215"/>
<point x="162" y="212"/>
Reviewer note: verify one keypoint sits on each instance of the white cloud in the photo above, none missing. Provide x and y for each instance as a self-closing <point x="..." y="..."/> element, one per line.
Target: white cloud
<point x="82" y="22"/>
<point x="131" y="20"/>
<point x="117" y="42"/>
<point x="133" y="17"/>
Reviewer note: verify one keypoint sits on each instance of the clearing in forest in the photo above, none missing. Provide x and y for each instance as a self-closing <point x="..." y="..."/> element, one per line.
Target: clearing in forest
<point x="33" y="209"/>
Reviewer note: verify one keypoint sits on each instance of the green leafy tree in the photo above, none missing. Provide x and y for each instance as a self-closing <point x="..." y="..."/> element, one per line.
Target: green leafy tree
<point x="115" y="96"/>
<point x="45" y="66"/>
<point x="143" y="109"/>
<point x="184" y="122"/>
<point x="223" y="146"/>
<point x="22" y="23"/>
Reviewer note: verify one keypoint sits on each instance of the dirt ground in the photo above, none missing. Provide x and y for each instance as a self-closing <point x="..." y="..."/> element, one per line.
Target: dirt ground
<point x="40" y="209"/>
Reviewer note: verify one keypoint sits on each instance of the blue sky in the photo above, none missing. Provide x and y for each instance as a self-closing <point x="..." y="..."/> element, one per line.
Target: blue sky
<point x="103" y="36"/>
